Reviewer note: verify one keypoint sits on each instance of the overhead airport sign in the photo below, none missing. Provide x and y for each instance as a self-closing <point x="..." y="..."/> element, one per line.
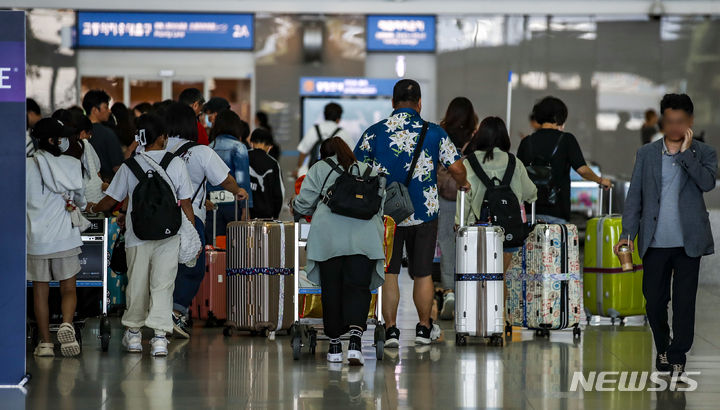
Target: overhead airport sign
<point x="346" y="87"/>
<point x="195" y="31"/>
<point x="401" y="33"/>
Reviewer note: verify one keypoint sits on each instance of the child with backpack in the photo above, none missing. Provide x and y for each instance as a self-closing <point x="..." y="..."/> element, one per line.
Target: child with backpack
<point x="55" y="190"/>
<point x="500" y="185"/>
<point x="158" y="189"/>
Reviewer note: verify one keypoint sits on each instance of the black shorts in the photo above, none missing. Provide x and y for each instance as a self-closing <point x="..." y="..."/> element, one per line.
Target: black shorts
<point x="420" y="243"/>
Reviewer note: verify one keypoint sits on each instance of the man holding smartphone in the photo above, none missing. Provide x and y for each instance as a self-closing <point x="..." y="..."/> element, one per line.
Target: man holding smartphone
<point x="666" y="210"/>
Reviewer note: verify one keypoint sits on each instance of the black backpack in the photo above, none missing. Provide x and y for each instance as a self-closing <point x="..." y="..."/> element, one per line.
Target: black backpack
<point x="315" y="151"/>
<point x="502" y="203"/>
<point x="540" y="172"/>
<point x="355" y="196"/>
<point x="156" y="214"/>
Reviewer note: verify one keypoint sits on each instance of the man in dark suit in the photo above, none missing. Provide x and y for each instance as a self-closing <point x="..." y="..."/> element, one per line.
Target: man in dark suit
<point x="666" y="210"/>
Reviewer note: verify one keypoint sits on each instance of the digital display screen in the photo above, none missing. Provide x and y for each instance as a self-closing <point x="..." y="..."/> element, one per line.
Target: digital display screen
<point x="358" y="113"/>
<point x="199" y="31"/>
<point x="401" y="33"/>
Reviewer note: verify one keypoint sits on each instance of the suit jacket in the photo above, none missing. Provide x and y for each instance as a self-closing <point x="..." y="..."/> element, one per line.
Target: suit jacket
<point x="642" y="205"/>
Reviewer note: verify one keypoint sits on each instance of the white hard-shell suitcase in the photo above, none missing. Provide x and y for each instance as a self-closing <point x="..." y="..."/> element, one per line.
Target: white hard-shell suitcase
<point x="479" y="293"/>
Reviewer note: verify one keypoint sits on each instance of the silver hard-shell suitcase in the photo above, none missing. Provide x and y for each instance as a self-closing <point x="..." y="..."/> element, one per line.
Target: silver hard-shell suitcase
<point x="260" y="270"/>
<point x="479" y="282"/>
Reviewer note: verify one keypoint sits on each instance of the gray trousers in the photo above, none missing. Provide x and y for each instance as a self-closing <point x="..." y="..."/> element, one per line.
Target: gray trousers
<point x="446" y="239"/>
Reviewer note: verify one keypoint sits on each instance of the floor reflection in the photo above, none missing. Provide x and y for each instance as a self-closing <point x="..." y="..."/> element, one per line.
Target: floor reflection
<point x="528" y="372"/>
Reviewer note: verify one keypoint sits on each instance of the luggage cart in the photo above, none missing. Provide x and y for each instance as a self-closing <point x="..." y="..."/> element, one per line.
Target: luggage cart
<point x="304" y="331"/>
<point x="94" y="274"/>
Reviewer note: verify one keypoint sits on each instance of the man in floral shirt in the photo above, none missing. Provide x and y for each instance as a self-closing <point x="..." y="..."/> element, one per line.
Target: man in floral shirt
<point x="389" y="145"/>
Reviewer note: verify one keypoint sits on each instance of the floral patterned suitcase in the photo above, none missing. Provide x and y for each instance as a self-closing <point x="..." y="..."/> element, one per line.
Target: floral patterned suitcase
<point x="544" y="286"/>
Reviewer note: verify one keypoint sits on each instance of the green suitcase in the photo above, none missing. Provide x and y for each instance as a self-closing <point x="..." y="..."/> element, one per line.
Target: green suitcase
<point x="610" y="291"/>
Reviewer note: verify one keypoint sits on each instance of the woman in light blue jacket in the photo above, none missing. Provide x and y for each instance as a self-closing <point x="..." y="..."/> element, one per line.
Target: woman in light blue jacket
<point x="226" y="138"/>
<point x="345" y="255"/>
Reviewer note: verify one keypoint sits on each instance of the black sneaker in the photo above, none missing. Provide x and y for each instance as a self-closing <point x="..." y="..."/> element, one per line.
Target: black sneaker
<point x="425" y="335"/>
<point x="661" y="363"/>
<point x="335" y="351"/>
<point x="355" y="357"/>
<point x="678" y="370"/>
<point x="392" y="337"/>
<point x="181" y="328"/>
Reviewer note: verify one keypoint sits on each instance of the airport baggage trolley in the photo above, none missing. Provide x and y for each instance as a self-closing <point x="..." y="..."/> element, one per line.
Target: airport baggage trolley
<point x="304" y="331"/>
<point x="93" y="276"/>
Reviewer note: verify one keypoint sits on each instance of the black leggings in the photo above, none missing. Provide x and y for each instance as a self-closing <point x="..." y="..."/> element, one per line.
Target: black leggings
<point x="345" y="284"/>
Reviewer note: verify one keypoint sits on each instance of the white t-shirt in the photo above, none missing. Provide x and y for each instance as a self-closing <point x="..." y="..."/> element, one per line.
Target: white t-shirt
<point x="326" y="129"/>
<point x="201" y="161"/>
<point x="124" y="183"/>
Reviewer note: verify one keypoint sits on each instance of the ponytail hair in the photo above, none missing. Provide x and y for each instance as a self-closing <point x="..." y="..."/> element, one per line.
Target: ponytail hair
<point x="149" y="128"/>
<point x="336" y="146"/>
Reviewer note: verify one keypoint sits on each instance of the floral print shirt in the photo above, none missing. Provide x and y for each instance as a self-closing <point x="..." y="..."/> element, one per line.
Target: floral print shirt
<point x="389" y="146"/>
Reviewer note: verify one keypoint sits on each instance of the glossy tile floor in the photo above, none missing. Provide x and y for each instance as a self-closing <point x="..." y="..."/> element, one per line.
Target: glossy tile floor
<point x="214" y="372"/>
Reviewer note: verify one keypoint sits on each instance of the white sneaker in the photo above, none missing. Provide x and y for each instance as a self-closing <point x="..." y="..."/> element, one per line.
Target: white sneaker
<point x="159" y="346"/>
<point x="44" y="350"/>
<point x="335" y="354"/>
<point x="68" y="343"/>
<point x="132" y="341"/>
<point x="448" y="308"/>
<point x="355" y="358"/>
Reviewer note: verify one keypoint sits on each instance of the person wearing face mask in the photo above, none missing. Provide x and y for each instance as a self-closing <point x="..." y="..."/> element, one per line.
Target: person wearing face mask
<point x="212" y="108"/>
<point x="81" y="149"/>
<point x="152" y="263"/>
<point x="54" y="188"/>
<point x="226" y="139"/>
<point x="265" y="177"/>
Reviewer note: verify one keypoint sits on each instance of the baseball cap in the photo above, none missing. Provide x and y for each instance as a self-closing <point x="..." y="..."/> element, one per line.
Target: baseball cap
<point x="216" y="104"/>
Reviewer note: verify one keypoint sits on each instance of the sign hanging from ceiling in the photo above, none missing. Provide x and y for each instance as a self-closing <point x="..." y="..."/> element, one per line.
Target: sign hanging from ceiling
<point x="401" y="33"/>
<point x="194" y="31"/>
<point x="346" y="87"/>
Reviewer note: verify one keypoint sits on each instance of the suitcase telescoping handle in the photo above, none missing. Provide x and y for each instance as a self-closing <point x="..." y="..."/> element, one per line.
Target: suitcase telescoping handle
<point x="247" y="209"/>
<point x="601" y="200"/>
<point x="533" y="216"/>
<point x="463" y="192"/>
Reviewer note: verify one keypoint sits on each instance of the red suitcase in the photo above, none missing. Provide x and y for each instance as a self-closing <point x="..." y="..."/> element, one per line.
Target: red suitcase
<point x="210" y="303"/>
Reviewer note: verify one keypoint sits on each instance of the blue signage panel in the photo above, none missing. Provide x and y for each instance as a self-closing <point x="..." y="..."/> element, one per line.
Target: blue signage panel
<point x="165" y="30"/>
<point x="12" y="224"/>
<point x="401" y="33"/>
<point x="346" y="87"/>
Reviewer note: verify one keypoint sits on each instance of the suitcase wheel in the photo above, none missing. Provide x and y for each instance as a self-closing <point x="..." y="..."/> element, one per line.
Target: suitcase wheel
<point x="496" y="341"/>
<point x="227" y="331"/>
<point x="460" y="340"/>
<point x="104" y="335"/>
<point x="508" y="330"/>
<point x="576" y="332"/>
<point x="296" y="346"/>
<point x="542" y="333"/>
<point x="313" y="343"/>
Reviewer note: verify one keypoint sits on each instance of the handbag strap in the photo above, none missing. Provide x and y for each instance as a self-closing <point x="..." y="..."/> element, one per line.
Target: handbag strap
<point x="416" y="154"/>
